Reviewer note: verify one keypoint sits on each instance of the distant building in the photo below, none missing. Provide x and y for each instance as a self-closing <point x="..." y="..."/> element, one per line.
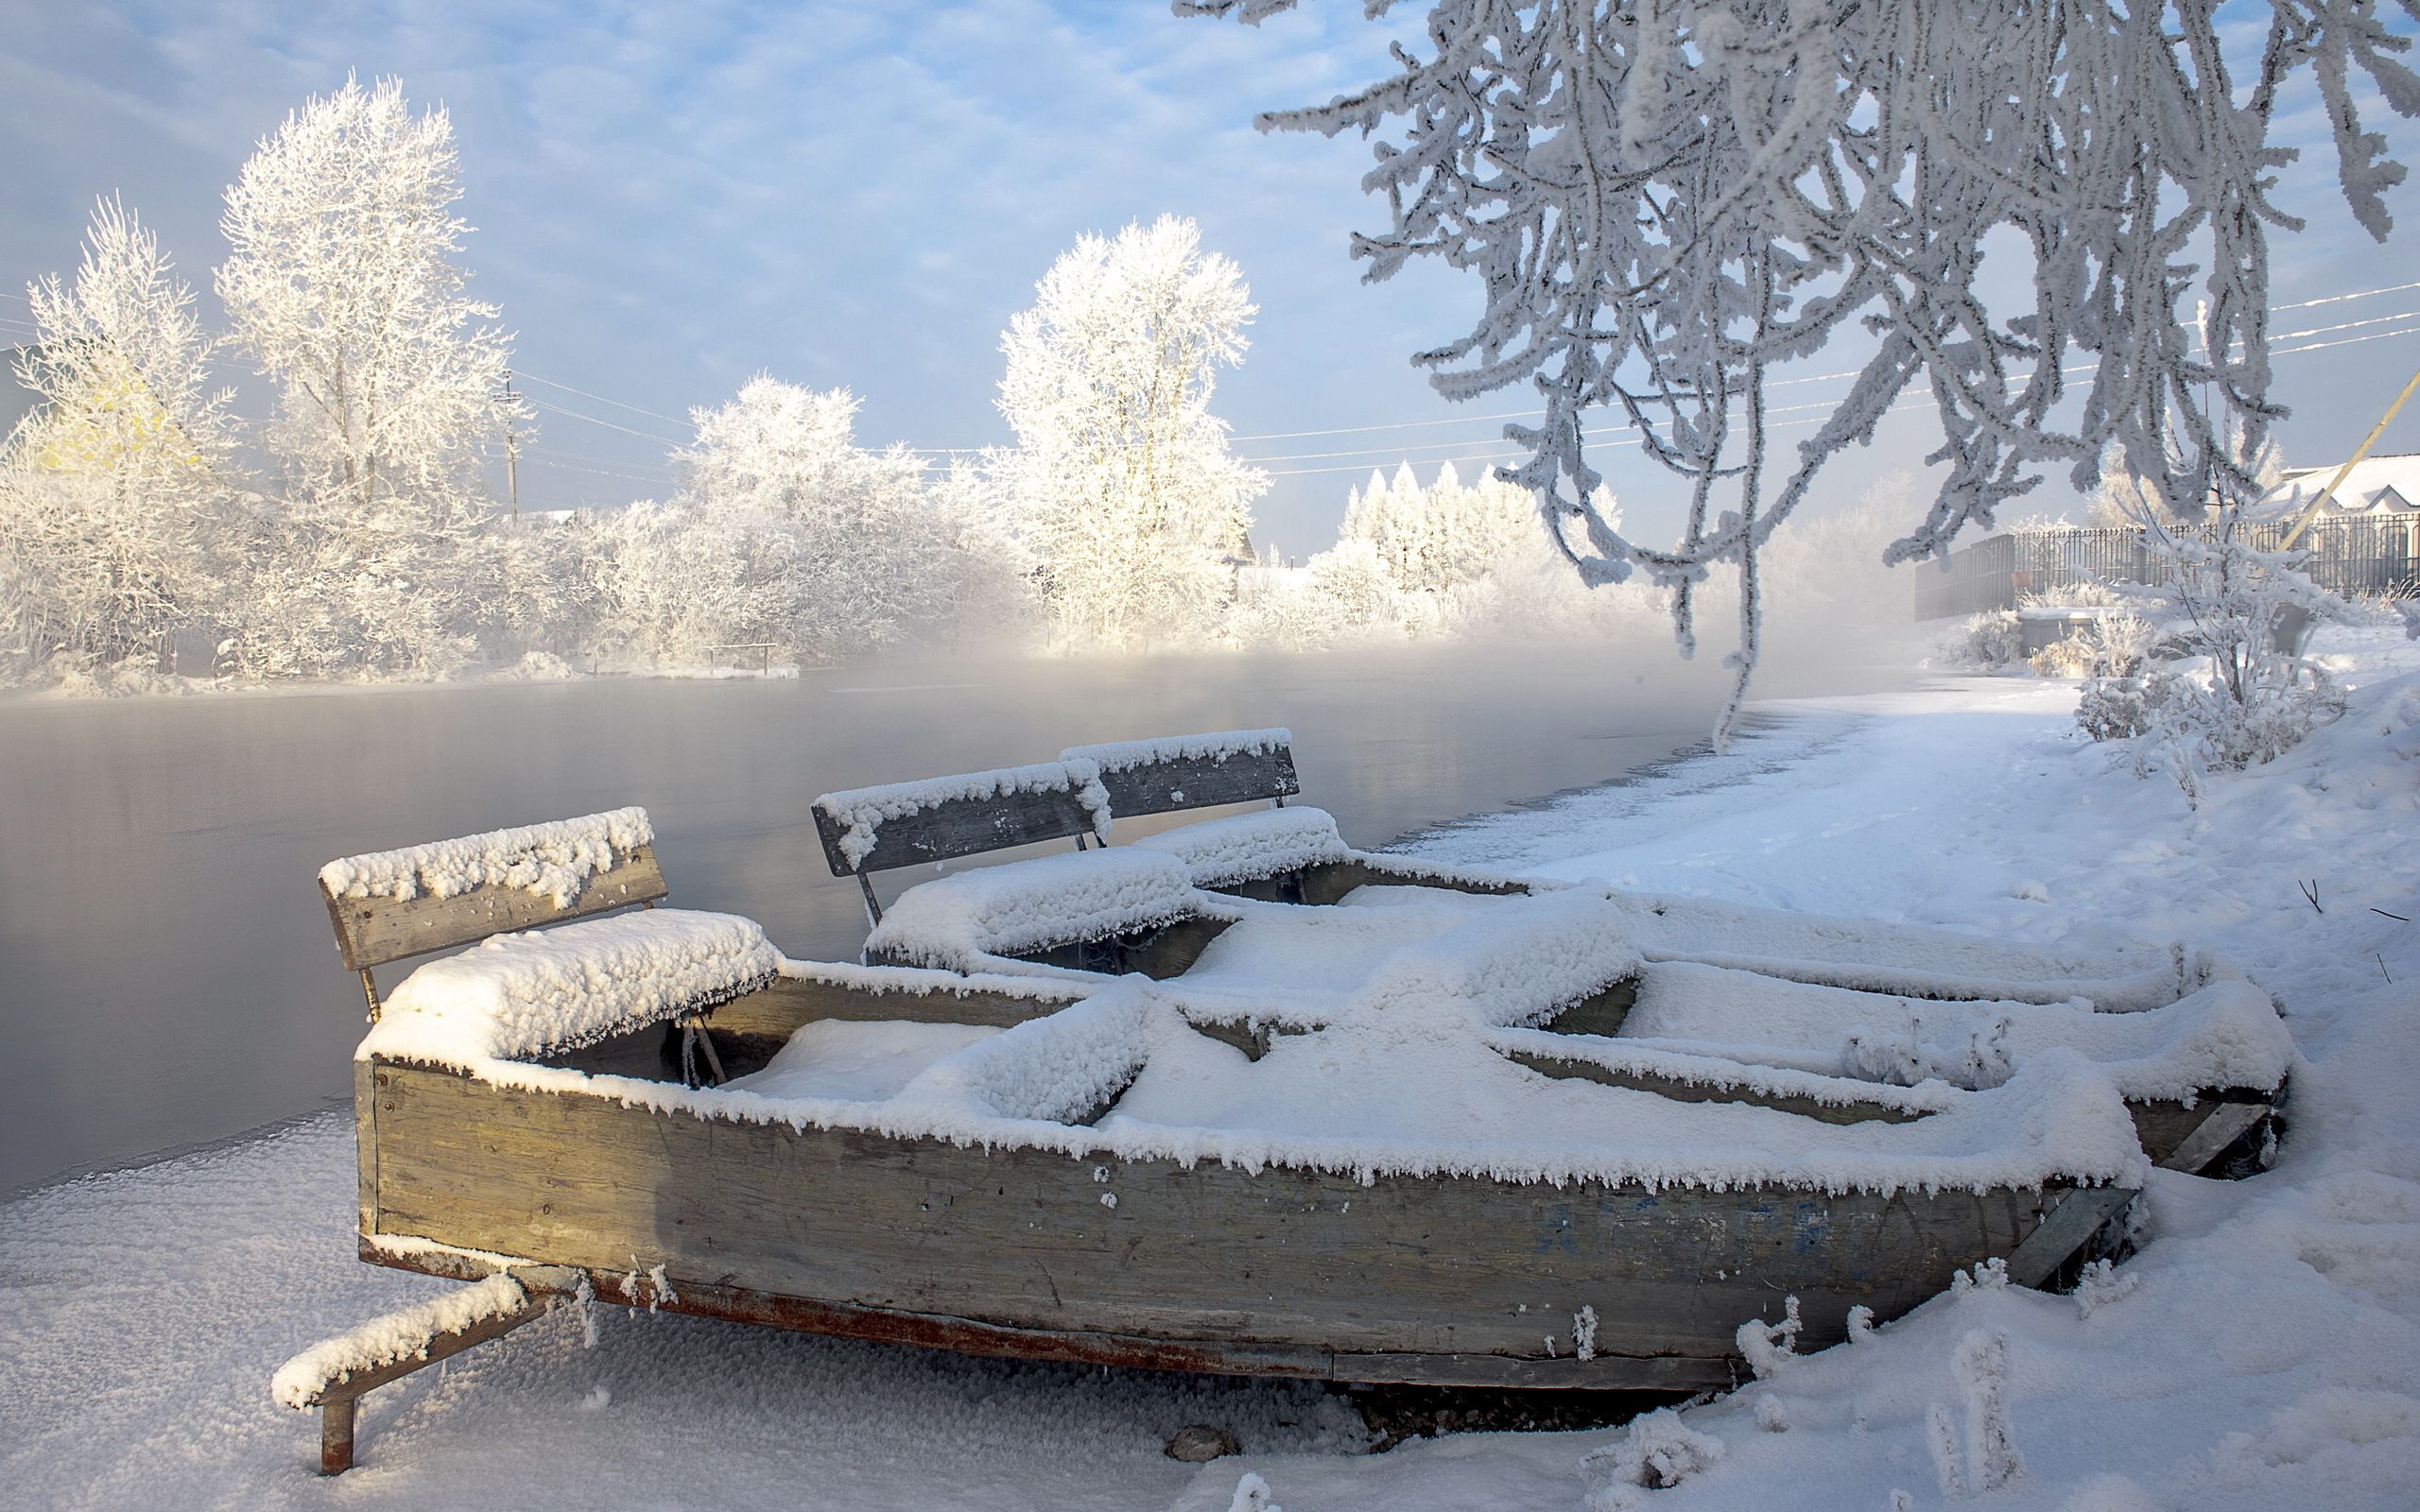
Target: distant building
<point x="2378" y="487"/>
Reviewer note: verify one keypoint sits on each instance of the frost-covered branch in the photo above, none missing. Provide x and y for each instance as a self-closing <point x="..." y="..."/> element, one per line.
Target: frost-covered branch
<point x="1667" y="200"/>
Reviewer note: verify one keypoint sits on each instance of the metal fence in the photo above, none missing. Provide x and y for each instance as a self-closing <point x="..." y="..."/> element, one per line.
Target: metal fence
<point x="2366" y="556"/>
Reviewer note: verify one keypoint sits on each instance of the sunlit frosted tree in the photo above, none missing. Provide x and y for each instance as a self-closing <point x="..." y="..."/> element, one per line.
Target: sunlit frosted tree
<point x="1669" y="201"/>
<point x="1121" y="483"/>
<point x="340" y="283"/>
<point x="113" y="491"/>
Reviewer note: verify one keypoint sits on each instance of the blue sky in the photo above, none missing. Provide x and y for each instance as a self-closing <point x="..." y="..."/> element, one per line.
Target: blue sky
<point x="669" y="198"/>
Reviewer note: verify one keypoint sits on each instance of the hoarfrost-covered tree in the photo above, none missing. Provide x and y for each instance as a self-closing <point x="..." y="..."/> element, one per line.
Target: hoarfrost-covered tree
<point x="1121" y="483"/>
<point x="1667" y="200"/>
<point x="1436" y="539"/>
<point x="342" y="285"/>
<point x="114" y="489"/>
<point x="785" y="531"/>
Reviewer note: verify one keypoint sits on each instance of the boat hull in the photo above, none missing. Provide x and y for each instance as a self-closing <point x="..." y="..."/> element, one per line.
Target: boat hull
<point x="1448" y="1280"/>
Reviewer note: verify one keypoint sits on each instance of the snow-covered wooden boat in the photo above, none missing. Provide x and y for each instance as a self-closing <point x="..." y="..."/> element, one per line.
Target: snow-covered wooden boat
<point x="658" y="1108"/>
<point x="2199" y="1053"/>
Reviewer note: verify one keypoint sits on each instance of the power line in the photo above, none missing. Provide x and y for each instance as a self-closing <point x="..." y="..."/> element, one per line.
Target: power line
<point x="578" y="456"/>
<point x="2338" y="298"/>
<point x="536" y="402"/>
<point x="583" y="393"/>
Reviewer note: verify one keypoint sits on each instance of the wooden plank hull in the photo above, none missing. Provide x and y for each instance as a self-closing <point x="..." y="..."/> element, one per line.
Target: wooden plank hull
<point x="1443" y="1280"/>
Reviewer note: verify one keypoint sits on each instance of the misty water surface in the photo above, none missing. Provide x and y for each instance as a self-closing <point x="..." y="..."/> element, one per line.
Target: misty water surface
<point x="167" y="971"/>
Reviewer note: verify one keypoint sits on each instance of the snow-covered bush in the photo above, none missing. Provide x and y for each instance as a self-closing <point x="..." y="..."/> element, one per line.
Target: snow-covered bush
<point x="1121" y="484"/>
<point x="2111" y="645"/>
<point x="2238" y="701"/>
<point x="1994" y="638"/>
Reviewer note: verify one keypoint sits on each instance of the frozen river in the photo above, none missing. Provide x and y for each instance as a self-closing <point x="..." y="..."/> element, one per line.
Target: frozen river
<point x="167" y="971"/>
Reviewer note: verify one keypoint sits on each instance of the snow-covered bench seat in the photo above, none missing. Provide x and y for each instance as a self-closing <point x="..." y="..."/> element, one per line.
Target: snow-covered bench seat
<point x="871" y="830"/>
<point x="1086" y="913"/>
<point x="524" y="994"/>
<point x="1250" y="846"/>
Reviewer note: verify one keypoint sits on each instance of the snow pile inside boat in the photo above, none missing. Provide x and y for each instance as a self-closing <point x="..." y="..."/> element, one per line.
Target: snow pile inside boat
<point x="1713" y="1067"/>
<point x="860" y="1061"/>
<point x="2225" y="1035"/>
<point x="1872" y="956"/>
<point x="1363" y="1097"/>
<point x="573" y="985"/>
<point x="1286" y="963"/>
<point x="969" y="921"/>
<point x="398" y="1335"/>
<point x="1506" y="968"/>
<point x="1249" y="847"/>
<point x="1128" y="755"/>
<point x="861" y="810"/>
<point x="554" y="860"/>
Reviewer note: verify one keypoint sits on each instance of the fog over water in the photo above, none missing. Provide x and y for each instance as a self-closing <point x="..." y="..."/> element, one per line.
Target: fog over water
<point x="168" y="975"/>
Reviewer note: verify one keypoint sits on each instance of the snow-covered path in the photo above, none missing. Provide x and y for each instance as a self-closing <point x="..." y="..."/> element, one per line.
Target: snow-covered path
<point x="2265" y="1351"/>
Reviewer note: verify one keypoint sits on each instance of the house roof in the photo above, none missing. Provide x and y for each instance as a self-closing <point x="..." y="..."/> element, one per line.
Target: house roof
<point x="2379" y="485"/>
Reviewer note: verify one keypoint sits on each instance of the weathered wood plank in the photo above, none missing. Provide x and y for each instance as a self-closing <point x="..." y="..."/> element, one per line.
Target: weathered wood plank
<point x="1330" y="881"/>
<point x="2065" y="1229"/>
<point x="1689" y="1091"/>
<point x="365" y="1143"/>
<point x="961" y="827"/>
<point x="373" y="931"/>
<point x="751" y="1029"/>
<point x="968" y="1336"/>
<point x="1207" y="1257"/>
<point x="1159" y="953"/>
<point x="1600" y="1012"/>
<point x="2221" y="1121"/>
<point x="1200" y="781"/>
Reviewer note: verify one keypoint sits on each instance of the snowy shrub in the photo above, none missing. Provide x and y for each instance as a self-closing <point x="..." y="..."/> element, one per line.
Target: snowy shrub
<point x="2241" y="702"/>
<point x="2113" y="645"/>
<point x="1658" y="1452"/>
<point x="1993" y="638"/>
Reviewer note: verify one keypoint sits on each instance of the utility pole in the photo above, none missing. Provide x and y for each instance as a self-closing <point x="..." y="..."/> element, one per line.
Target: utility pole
<point x="2311" y="513"/>
<point x="512" y="446"/>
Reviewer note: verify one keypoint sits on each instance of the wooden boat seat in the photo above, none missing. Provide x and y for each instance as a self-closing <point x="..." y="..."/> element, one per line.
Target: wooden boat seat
<point x="871" y="830"/>
<point x="1106" y="911"/>
<point x="1246" y="848"/>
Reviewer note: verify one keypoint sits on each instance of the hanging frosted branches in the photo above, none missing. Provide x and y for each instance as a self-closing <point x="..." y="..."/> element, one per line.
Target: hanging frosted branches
<point x="1667" y="199"/>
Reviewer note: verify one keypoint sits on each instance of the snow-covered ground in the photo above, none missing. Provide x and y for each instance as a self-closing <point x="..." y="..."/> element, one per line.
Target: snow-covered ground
<point x="2262" y="1350"/>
